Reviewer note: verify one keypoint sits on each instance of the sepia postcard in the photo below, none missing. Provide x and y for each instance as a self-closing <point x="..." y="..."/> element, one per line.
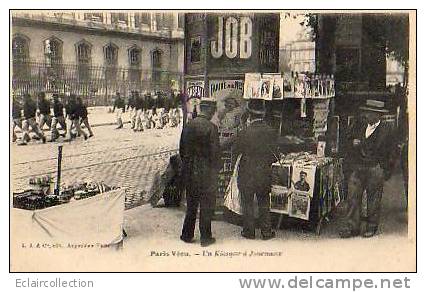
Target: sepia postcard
<point x="213" y="141"/>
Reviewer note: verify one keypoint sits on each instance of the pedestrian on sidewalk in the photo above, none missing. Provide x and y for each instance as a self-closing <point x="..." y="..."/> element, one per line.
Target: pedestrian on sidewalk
<point x="30" y="109"/>
<point x="16" y="116"/>
<point x="199" y="151"/>
<point x="58" y="117"/>
<point x="120" y="105"/>
<point x="83" y="114"/>
<point x="44" y="109"/>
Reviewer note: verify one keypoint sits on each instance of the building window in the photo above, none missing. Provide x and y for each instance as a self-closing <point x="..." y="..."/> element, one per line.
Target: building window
<point x="135" y="72"/>
<point x="53" y="51"/>
<point x="98" y="17"/>
<point x="20" y="49"/>
<point x="181" y="20"/>
<point x="20" y="55"/>
<point x="120" y="18"/>
<point x="134" y="56"/>
<point x="84" y="53"/>
<point x="110" y="57"/>
<point x="142" y="19"/>
<point x="64" y="15"/>
<point x="84" y="57"/>
<point x="156" y="65"/>
<point x="195" y="50"/>
<point x="164" y="20"/>
<point x="159" y="20"/>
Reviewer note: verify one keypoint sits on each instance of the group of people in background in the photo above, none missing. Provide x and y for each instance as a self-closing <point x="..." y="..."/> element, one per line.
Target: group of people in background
<point x="64" y="115"/>
<point x="34" y="114"/>
<point x="147" y="112"/>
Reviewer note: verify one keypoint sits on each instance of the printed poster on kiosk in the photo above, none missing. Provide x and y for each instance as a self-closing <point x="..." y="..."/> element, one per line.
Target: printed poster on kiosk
<point x="230" y="105"/>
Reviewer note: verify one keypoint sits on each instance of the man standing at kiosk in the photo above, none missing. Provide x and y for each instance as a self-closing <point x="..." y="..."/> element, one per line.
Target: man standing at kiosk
<point x="256" y="143"/>
<point x="199" y="151"/>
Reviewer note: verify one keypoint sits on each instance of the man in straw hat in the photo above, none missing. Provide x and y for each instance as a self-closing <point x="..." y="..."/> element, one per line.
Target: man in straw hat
<point x="256" y="143"/>
<point x="370" y="150"/>
<point x="199" y="151"/>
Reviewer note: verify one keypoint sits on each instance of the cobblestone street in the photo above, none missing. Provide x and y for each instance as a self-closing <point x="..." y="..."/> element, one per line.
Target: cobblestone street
<point x="117" y="157"/>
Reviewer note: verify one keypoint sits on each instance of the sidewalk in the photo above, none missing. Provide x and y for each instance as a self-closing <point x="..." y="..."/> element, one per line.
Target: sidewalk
<point x="153" y="244"/>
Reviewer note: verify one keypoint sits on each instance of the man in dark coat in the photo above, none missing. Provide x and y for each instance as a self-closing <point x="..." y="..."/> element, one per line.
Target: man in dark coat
<point x="120" y="105"/>
<point x="139" y="111"/>
<point x="58" y="117"/>
<point x="370" y="152"/>
<point x="83" y="115"/>
<point x="16" y="116"/>
<point x="257" y="144"/>
<point x="131" y="104"/>
<point x="44" y="108"/>
<point x="30" y="109"/>
<point x="183" y="99"/>
<point x="73" y="109"/>
<point x="199" y="151"/>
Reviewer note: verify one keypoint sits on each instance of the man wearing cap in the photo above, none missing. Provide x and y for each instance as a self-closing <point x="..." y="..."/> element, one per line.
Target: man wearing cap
<point x="30" y="109"/>
<point x="302" y="185"/>
<point x="83" y="115"/>
<point x="199" y="151"/>
<point x="74" y="110"/>
<point x="257" y="144"/>
<point x="44" y="108"/>
<point x="120" y="105"/>
<point x="58" y="117"/>
<point x="369" y="160"/>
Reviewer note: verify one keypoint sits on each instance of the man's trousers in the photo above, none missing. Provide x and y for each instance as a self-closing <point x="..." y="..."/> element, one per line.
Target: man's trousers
<point x="371" y="180"/>
<point x="55" y="121"/>
<point x="206" y="200"/>
<point x="31" y="122"/>
<point x="247" y="200"/>
<point x="45" y="119"/>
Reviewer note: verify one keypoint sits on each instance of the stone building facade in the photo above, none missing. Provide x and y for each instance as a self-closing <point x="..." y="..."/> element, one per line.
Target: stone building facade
<point x="96" y="53"/>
